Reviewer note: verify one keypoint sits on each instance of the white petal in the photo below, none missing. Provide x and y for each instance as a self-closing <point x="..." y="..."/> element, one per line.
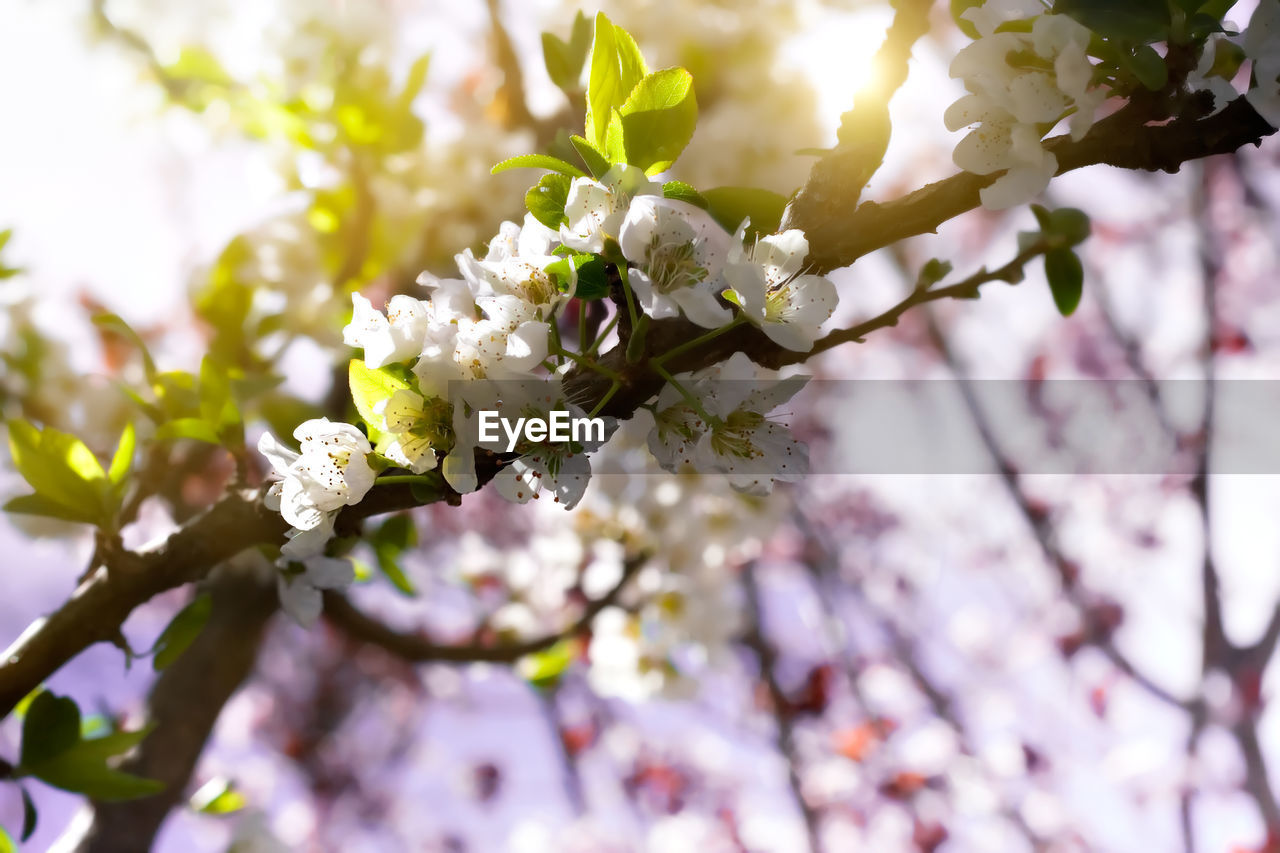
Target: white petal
<point x="330" y="572"/>
<point x="299" y="599"/>
<point x="280" y="457"/>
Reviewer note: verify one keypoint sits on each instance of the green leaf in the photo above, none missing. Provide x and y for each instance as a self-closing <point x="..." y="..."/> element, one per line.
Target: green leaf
<point x="196" y="429"/>
<point x="29" y="815"/>
<point x="597" y="164"/>
<point x="658" y="119"/>
<point x="40" y="505"/>
<point x="1147" y="66"/>
<point x="546" y="199"/>
<point x="1133" y="21"/>
<point x="934" y="271"/>
<point x="564" y="60"/>
<point x="370" y="387"/>
<point x="1066" y="279"/>
<point x="544" y="669"/>
<point x="51" y="727"/>
<point x="116" y="324"/>
<point x="593" y="278"/>
<point x="680" y="191"/>
<point x="539" y="161"/>
<point x="615" y="148"/>
<point x="93" y="778"/>
<point x="1071" y="224"/>
<point x="730" y="205"/>
<point x="61" y="469"/>
<point x="396" y="534"/>
<point x="414" y="82"/>
<point x="54" y="752"/>
<point x="616" y="68"/>
<point x="122" y="461"/>
<point x="181" y="631"/>
<point x="218" y="796"/>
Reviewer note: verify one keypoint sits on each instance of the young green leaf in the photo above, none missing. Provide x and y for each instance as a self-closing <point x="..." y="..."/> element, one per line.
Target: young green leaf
<point x="658" y="119"/>
<point x="218" y="796"/>
<point x="122" y="460"/>
<point x="545" y="669"/>
<point x="196" y="429"/>
<point x="539" y="161"/>
<point x="597" y="164"/>
<point x="731" y="205"/>
<point x="181" y="631"/>
<point x="681" y="191"/>
<point x="62" y="470"/>
<point x="547" y="198"/>
<point x="370" y="387"/>
<point x="1066" y="279"/>
<point x="51" y="726"/>
<point x="616" y="68"/>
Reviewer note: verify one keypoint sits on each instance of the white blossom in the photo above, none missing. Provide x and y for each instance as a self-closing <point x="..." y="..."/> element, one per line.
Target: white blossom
<point x="1012" y="101"/>
<point x="677" y="252"/>
<point x="766" y="281"/>
<point x="332" y="471"/>
<point x="301" y="590"/>
<point x="594" y="209"/>
<point x="418" y="428"/>
<point x="395" y="337"/>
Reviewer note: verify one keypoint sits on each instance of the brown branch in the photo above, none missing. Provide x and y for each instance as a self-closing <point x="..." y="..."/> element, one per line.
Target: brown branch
<point x="416" y="648"/>
<point x="835" y="184"/>
<point x="184" y="705"/>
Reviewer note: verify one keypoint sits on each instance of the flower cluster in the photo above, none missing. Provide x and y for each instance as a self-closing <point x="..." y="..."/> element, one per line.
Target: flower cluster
<point x="1021" y="84"/>
<point x="491" y="341"/>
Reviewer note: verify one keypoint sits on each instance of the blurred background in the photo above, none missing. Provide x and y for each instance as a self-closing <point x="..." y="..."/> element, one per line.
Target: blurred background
<point x="1005" y="662"/>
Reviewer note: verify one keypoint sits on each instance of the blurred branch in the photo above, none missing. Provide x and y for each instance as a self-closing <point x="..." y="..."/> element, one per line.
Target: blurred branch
<point x="416" y="648"/>
<point x="836" y="181"/>
<point x="767" y="656"/>
<point x="921" y="294"/>
<point x="511" y="94"/>
<point x="1041" y="527"/>
<point x="184" y="705"/>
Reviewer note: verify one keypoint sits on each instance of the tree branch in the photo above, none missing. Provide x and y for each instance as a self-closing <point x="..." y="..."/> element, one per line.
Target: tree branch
<point x="415" y="648"/>
<point x="184" y="705"/>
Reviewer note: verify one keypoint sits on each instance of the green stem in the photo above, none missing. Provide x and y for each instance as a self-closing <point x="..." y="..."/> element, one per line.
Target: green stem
<point x="608" y="395"/>
<point x="627" y="296"/>
<point x="693" y="401"/>
<point x="601" y="335"/>
<point x="582" y="325"/>
<point x="557" y="349"/>
<point x="699" y="341"/>
<point x="589" y="363"/>
<point x="404" y="479"/>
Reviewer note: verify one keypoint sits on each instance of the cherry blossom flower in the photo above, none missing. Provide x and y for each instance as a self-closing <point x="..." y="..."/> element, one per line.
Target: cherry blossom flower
<point x="767" y="283"/>
<point x="594" y="209"/>
<point x="332" y="471"/>
<point x="678" y="252"/>
<point x="395" y="337"/>
<point x="418" y="426"/>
